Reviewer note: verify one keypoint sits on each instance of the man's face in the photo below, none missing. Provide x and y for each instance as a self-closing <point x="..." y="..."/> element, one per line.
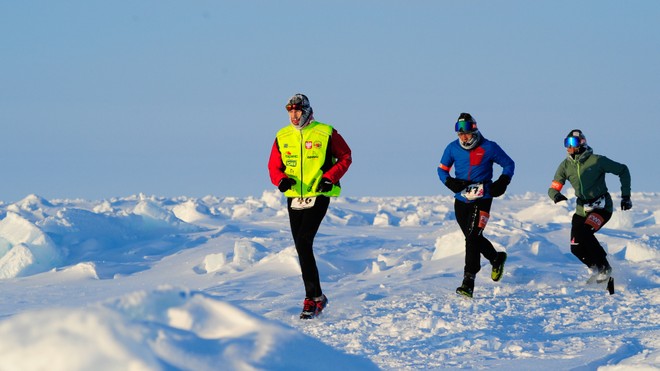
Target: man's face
<point x="465" y="137"/>
<point x="294" y="116"/>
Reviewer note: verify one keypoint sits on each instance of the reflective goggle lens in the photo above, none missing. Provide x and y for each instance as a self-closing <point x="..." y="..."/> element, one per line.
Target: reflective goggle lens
<point x="572" y="142"/>
<point x="465" y="127"/>
<point x="296" y="107"/>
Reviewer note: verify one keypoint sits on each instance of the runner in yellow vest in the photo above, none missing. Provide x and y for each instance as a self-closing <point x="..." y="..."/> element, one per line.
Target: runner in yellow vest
<point x="307" y="160"/>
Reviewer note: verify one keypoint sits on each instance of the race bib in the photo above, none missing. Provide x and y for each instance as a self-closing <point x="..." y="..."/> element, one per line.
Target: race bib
<point x="598" y="204"/>
<point x="595" y="221"/>
<point x="300" y="203"/>
<point x="473" y="191"/>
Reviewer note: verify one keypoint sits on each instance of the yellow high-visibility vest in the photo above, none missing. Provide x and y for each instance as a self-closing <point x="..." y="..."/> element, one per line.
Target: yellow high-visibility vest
<point x="304" y="153"/>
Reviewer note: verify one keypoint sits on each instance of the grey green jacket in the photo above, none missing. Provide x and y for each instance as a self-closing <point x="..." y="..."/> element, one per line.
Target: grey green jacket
<point x="587" y="176"/>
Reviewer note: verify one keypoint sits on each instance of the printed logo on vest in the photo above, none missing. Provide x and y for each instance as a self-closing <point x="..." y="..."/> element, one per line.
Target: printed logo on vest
<point x="308" y="144"/>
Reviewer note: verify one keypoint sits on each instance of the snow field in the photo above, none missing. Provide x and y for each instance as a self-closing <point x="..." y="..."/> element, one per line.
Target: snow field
<point x="149" y="283"/>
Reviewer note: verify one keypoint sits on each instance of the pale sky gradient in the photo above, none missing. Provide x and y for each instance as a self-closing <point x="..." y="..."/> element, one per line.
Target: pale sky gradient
<point x="103" y="99"/>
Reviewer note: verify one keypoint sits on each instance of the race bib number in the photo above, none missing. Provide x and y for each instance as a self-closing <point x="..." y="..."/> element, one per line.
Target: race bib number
<point x="473" y="191"/>
<point x="598" y="204"/>
<point x="595" y="221"/>
<point x="301" y="203"/>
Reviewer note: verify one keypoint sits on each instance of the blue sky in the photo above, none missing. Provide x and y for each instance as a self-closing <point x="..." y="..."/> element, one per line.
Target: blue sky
<point x="173" y="98"/>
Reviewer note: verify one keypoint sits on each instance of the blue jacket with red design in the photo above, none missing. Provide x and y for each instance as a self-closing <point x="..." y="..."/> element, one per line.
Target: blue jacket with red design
<point x="475" y="165"/>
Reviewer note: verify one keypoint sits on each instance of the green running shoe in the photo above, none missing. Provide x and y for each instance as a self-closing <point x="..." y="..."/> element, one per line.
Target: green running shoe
<point x="467" y="287"/>
<point x="465" y="291"/>
<point x="498" y="266"/>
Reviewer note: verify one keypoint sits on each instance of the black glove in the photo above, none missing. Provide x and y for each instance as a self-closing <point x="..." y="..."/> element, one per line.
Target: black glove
<point x="559" y="198"/>
<point x="324" y="186"/>
<point x="286" y="184"/>
<point x="626" y="204"/>
<point x="499" y="186"/>
<point x="456" y="185"/>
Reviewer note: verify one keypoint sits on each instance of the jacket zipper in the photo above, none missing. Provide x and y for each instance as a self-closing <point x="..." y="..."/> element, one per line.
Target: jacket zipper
<point x="302" y="171"/>
<point x="580" y="178"/>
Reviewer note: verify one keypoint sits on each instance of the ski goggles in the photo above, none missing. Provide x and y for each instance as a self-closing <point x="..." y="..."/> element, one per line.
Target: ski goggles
<point x="465" y="126"/>
<point x="294" y="107"/>
<point x="572" y="142"/>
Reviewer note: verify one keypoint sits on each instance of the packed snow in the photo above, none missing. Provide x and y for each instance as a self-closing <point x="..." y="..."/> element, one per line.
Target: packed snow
<point x="151" y="283"/>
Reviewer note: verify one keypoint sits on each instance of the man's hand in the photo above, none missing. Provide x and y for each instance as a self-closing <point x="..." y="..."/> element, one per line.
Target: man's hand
<point x="499" y="186"/>
<point x="559" y="198"/>
<point x="456" y="185"/>
<point x="324" y="186"/>
<point x="626" y="204"/>
<point x="286" y="184"/>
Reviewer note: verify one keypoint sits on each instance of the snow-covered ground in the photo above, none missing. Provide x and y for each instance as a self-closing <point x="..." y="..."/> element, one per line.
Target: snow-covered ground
<point x="150" y="283"/>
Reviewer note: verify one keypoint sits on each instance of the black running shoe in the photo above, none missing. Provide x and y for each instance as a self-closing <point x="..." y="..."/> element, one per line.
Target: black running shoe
<point x="465" y="291"/>
<point x="467" y="287"/>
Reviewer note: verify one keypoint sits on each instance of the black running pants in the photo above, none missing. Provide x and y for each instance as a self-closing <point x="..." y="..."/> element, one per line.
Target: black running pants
<point x="584" y="244"/>
<point x="472" y="218"/>
<point x="304" y="225"/>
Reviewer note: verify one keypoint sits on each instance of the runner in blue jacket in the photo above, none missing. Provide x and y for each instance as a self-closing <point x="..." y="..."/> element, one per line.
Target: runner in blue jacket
<point x="472" y="157"/>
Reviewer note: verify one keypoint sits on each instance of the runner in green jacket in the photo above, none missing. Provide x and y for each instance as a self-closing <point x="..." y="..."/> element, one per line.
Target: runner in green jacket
<point x="586" y="173"/>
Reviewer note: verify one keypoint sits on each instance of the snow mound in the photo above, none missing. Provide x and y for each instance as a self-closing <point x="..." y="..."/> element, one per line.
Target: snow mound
<point x="212" y="263"/>
<point x="190" y="211"/>
<point x="247" y="253"/>
<point x="642" y="249"/>
<point x="382" y="220"/>
<point x="545" y="212"/>
<point x="30" y="204"/>
<point x="273" y="199"/>
<point x="156" y="217"/>
<point x="448" y="245"/>
<point x="24" y="248"/>
<point x="620" y="220"/>
<point x="74" y="339"/>
<point x="163" y="329"/>
<point x="81" y="271"/>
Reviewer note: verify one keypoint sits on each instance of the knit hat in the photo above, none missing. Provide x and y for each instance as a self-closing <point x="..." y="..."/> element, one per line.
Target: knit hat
<point x="579" y="139"/>
<point x="465" y="123"/>
<point x="576" y="144"/>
